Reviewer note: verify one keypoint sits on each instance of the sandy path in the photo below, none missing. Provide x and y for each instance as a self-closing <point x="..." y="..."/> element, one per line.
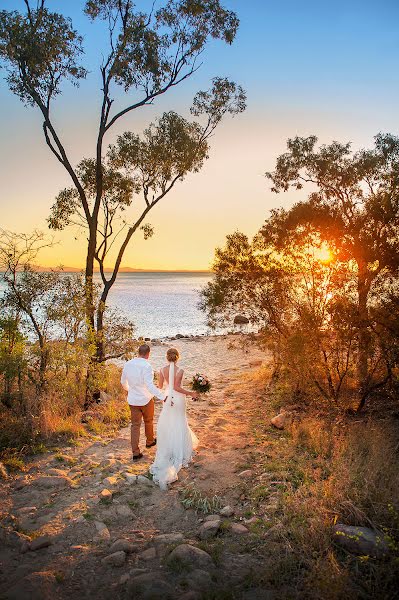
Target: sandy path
<point x="71" y="513"/>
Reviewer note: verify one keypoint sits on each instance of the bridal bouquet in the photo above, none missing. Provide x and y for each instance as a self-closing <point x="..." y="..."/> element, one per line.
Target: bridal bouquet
<point x="201" y="383"/>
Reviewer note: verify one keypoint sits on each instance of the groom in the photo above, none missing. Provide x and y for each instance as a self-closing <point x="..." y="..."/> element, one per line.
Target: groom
<point x="138" y="380"/>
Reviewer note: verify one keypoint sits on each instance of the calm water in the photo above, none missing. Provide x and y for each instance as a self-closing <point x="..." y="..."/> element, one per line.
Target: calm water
<point x="161" y="304"/>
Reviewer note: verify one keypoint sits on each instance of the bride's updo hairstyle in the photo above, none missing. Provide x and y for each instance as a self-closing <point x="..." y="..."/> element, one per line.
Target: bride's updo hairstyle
<point x="172" y="355"/>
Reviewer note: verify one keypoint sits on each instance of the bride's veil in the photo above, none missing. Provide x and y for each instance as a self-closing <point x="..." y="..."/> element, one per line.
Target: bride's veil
<point x="171" y="380"/>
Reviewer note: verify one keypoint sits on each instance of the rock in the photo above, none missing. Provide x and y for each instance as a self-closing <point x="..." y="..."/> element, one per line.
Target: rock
<point x="104" y="397"/>
<point x="123" y="510"/>
<point x="123" y="545"/>
<point x="107" y="462"/>
<point x="246" y="474"/>
<point x="251" y="520"/>
<point x="57" y="472"/>
<point x="238" y="529"/>
<point x="116" y="559"/>
<point x="240" y="320"/>
<point x="52" y="481"/>
<point x="3" y="471"/>
<point x="21" y="482"/>
<point x="190" y="557"/>
<point x="44" y="519"/>
<point x="148" y="554"/>
<point x="40" y="542"/>
<point x="145" y="481"/>
<point x="26" y="510"/>
<point x="199" y="580"/>
<point x="112" y="480"/>
<point x="212" y="518"/>
<point x="281" y="420"/>
<point x="209" y="529"/>
<point x="191" y="596"/>
<point x="227" y="511"/>
<point x="124" y="579"/>
<point x="35" y="586"/>
<point x="168" y="538"/>
<point x="149" y="586"/>
<point x="361" y="541"/>
<point x="103" y="531"/>
<point x="130" y="479"/>
<point x="105" y="495"/>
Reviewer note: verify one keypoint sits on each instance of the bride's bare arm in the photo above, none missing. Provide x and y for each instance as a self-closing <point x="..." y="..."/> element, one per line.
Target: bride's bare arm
<point x="177" y="386"/>
<point x="161" y="379"/>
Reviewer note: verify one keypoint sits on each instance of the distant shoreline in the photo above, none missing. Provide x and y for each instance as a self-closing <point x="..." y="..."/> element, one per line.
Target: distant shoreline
<point x="121" y="270"/>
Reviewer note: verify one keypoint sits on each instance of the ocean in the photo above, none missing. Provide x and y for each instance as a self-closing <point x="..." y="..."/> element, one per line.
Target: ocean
<point x="161" y="304"/>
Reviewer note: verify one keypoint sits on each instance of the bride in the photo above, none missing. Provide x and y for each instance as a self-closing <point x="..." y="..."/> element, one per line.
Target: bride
<point x="175" y="440"/>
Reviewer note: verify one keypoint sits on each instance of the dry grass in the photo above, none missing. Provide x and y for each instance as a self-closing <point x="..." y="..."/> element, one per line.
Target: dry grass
<point x="57" y="416"/>
<point x="318" y="473"/>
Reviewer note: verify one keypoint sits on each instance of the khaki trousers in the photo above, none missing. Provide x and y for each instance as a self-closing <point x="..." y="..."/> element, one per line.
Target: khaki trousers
<point x="137" y="413"/>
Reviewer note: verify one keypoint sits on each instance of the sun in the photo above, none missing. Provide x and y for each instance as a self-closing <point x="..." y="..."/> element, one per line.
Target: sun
<point x="323" y="254"/>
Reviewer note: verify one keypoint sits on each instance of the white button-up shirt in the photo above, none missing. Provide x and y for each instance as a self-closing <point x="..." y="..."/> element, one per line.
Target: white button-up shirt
<point x="138" y="380"/>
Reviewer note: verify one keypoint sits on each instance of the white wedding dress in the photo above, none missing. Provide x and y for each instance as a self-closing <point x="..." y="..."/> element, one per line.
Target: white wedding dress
<point x="175" y="440"/>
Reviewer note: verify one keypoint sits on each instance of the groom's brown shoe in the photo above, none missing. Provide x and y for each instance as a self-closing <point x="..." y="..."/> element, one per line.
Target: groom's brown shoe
<point x="154" y="443"/>
<point x="138" y="456"/>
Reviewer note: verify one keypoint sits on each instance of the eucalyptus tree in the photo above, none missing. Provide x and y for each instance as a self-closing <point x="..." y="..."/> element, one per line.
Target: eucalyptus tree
<point x="147" y="54"/>
<point x="353" y="204"/>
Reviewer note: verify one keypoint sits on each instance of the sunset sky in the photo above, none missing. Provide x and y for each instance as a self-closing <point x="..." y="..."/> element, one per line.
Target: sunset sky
<point x="324" y="68"/>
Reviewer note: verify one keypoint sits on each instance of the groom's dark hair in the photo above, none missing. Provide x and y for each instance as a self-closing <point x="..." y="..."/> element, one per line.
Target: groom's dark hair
<point x="144" y="349"/>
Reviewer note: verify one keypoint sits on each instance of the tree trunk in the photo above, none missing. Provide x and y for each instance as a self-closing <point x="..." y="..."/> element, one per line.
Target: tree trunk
<point x="363" y="289"/>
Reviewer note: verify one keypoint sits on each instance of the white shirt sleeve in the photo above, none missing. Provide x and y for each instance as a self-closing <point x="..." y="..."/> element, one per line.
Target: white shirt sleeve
<point x="124" y="382"/>
<point x="149" y="383"/>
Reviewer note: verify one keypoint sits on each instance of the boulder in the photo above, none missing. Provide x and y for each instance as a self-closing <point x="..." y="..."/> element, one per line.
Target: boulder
<point x="123" y="510"/>
<point x="145" y="481"/>
<point x="209" y="529"/>
<point x="41" y="585"/>
<point x="282" y="420"/>
<point x="148" y="554"/>
<point x="116" y="559"/>
<point x="149" y="586"/>
<point x="123" y="545"/>
<point x="40" y="542"/>
<point x="52" y="482"/>
<point x="168" y="538"/>
<point x="241" y="320"/>
<point x="111" y="481"/>
<point x="227" y="511"/>
<point x="238" y="529"/>
<point x="102" y="530"/>
<point x="130" y="479"/>
<point x="200" y="580"/>
<point x="361" y="541"/>
<point x="190" y="557"/>
<point x="105" y="495"/>
<point x="212" y="518"/>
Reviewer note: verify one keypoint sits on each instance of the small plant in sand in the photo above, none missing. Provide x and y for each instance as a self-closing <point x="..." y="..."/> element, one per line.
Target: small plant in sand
<point x="192" y="498"/>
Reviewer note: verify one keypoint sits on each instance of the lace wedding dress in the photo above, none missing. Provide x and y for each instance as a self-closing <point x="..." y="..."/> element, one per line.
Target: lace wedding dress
<point x="175" y="440"/>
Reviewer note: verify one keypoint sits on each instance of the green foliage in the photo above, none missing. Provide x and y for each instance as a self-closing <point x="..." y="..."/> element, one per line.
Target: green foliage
<point x="320" y="279"/>
<point x="39" y="50"/>
<point x="12" y="355"/>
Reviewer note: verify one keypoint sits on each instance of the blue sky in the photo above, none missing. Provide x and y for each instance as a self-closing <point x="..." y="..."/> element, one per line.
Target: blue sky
<point x="324" y="68"/>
